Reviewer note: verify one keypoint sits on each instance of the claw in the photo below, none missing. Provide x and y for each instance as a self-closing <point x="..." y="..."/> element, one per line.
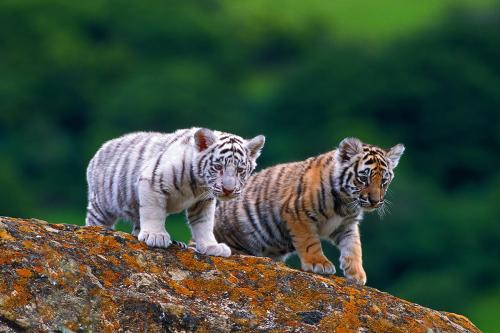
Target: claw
<point x="182" y="245"/>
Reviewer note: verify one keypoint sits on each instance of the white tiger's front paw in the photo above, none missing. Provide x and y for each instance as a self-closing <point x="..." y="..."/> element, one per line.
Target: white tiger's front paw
<point x="155" y="239"/>
<point x="220" y="250"/>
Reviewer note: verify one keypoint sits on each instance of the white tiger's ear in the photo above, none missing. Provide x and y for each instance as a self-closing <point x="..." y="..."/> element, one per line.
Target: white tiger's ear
<point x="255" y="145"/>
<point x="395" y="153"/>
<point x="348" y="148"/>
<point x="204" y="138"/>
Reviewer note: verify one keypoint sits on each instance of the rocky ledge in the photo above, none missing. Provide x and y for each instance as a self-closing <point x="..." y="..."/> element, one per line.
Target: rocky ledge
<point x="57" y="277"/>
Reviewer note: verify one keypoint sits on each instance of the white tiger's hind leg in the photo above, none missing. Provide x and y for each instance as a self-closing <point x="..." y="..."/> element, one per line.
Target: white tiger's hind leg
<point x="152" y="212"/>
<point x="201" y="221"/>
<point x="97" y="217"/>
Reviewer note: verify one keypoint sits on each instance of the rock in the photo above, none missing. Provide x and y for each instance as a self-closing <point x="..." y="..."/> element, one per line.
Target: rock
<point x="68" y="278"/>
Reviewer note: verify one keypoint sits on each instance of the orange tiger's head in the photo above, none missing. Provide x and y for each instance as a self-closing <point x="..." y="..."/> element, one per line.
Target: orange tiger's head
<point x="365" y="172"/>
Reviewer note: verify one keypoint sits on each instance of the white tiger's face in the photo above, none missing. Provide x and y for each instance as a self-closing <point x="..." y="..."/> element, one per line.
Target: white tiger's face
<point x="225" y="163"/>
<point x="366" y="171"/>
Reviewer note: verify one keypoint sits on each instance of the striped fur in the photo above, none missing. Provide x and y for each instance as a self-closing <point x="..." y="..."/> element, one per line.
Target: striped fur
<point x="291" y="207"/>
<point x="142" y="177"/>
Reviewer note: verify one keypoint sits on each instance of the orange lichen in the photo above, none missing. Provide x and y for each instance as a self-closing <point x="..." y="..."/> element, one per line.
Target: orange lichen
<point x="245" y="293"/>
<point x="9" y="256"/>
<point x="109" y="277"/>
<point x="179" y="288"/>
<point x="26" y="228"/>
<point x="231" y="278"/>
<point x="188" y="260"/>
<point x="23" y="272"/>
<point x="154" y="269"/>
<point x="131" y="262"/>
<point x="5" y="236"/>
<point x="18" y="298"/>
<point x="204" y="288"/>
<point x="28" y="244"/>
<point x="38" y="269"/>
<point x="137" y="245"/>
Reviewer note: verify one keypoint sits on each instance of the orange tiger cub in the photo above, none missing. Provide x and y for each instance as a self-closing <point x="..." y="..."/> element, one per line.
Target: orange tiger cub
<point x="290" y="207"/>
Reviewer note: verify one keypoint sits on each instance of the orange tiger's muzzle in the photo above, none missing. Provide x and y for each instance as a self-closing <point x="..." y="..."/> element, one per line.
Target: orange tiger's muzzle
<point x="373" y="194"/>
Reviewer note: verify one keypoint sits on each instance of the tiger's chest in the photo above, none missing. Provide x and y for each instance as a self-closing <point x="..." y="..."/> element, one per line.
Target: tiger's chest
<point x="326" y="228"/>
<point x="179" y="203"/>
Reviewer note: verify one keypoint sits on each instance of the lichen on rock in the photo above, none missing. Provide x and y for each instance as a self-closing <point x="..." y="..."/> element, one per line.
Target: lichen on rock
<point x="67" y="278"/>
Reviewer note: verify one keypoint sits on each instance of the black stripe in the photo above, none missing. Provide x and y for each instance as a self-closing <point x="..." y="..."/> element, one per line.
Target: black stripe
<point x="195" y="220"/>
<point x="138" y="165"/>
<point x="246" y="209"/>
<point x="300" y="188"/>
<point x="309" y="246"/>
<point x="177" y="137"/>
<point x="162" y="186"/>
<point x="263" y="218"/>
<point x="235" y="243"/>
<point x="183" y="170"/>
<point x="155" y="169"/>
<point x="321" y="195"/>
<point x="112" y="167"/>
<point x="99" y="210"/>
<point x="311" y="216"/>
<point x="198" y="207"/>
<point x="269" y="209"/>
<point x="226" y="150"/>
<point x="122" y="190"/>
<point x="349" y="176"/>
<point x="337" y="203"/>
<point x="127" y="166"/>
<point x="95" y="217"/>
<point x="192" y="180"/>
<point x="174" y="179"/>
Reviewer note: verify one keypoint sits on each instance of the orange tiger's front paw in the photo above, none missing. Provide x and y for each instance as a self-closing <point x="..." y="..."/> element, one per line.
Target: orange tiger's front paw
<point x="353" y="270"/>
<point x="318" y="265"/>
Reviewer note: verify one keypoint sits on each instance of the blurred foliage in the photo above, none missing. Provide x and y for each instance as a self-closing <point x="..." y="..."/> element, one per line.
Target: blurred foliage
<point x="306" y="74"/>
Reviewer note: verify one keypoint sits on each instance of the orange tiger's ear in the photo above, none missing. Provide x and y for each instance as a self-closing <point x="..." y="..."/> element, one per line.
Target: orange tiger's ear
<point x="255" y="145"/>
<point x="204" y="138"/>
<point x="348" y="148"/>
<point x="395" y="153"/>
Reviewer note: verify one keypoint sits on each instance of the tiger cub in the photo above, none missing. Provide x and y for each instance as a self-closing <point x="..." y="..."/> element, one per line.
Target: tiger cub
<point x="142" y="177"/>
<point x="290" y="207"/>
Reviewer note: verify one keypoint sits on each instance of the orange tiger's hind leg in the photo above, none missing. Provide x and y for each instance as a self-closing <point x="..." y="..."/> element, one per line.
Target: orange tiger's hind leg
<point x="306" y="241"/>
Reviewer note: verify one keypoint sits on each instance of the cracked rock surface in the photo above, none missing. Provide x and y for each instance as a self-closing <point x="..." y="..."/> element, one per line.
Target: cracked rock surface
<point x="56" y="277"/>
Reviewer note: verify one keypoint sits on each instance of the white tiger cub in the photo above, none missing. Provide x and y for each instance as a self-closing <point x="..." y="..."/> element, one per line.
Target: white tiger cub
<point x="142" y="177"/>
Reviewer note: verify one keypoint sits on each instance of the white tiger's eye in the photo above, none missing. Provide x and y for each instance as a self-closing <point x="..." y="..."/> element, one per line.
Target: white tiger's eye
<point x="240" y="170"/>
<point x="218" y="167"/>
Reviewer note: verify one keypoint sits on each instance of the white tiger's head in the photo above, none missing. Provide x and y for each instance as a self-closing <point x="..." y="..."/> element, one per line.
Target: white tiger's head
<point x="225" y="161"/>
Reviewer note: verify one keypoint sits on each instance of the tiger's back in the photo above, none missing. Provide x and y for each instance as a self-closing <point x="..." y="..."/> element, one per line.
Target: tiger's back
<point x="114" y="171"/>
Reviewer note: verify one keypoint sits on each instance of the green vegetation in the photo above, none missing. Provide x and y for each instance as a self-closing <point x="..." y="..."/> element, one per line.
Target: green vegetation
<point x="306" y="74"/>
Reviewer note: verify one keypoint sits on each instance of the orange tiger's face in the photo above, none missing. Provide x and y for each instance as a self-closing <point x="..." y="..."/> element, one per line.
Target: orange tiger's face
<point x="365" y="172"/>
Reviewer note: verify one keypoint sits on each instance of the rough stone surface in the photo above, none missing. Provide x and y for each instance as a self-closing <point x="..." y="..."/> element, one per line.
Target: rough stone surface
<point x="69" y="278"/>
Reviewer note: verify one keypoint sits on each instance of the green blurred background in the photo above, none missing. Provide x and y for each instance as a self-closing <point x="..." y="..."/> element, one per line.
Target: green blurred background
<point x="305" y="74"/>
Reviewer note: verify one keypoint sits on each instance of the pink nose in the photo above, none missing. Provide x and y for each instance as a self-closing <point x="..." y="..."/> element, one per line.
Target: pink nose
<point x="227" y="191"/>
